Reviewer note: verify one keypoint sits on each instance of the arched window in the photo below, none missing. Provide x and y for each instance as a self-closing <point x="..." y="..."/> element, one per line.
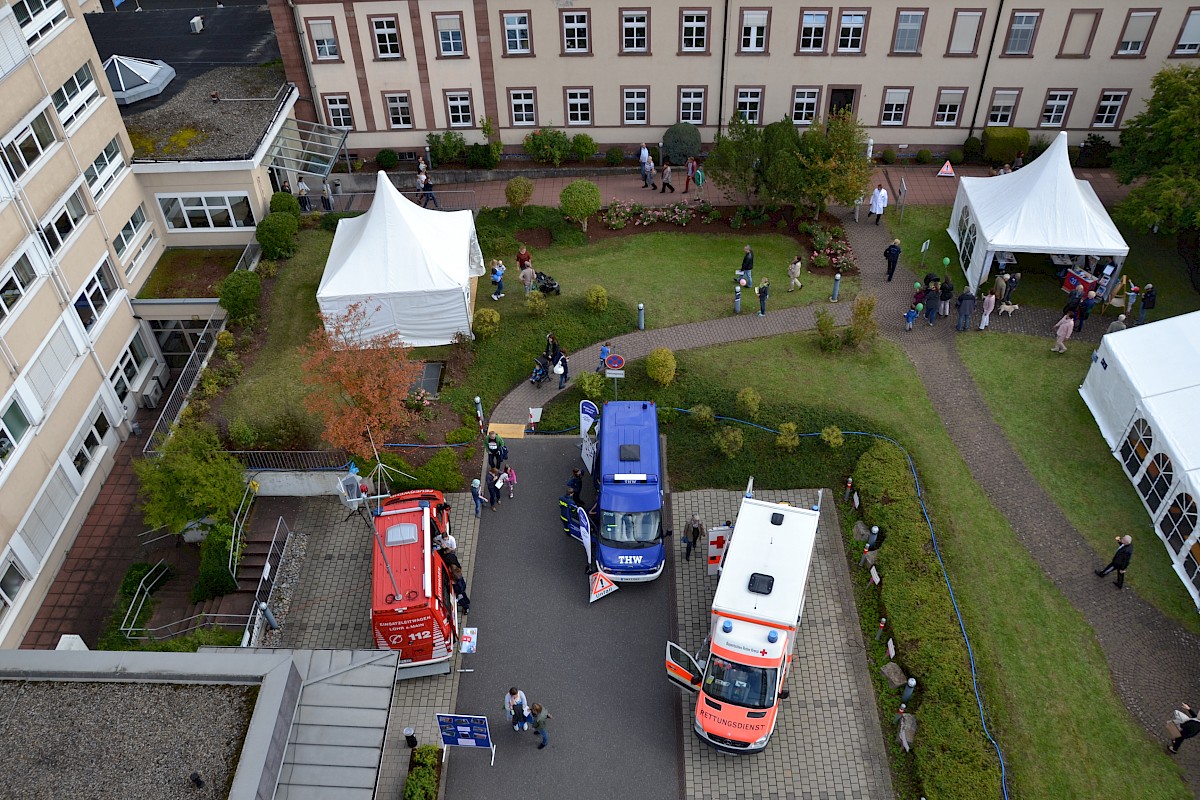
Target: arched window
<point x="1156" y="480"/>
<point x="1179" y="521"/>
<point x="1137" y="446"/>
<point x="964" y="219"/>
<point x="968" y="248"/>
<point x="1191" y="566"/>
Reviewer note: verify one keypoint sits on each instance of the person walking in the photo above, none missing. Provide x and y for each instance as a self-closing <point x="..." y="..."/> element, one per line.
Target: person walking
<point x="764" y="291"/>
<point x="1118" y="324"/>
<point x="879" y="202"/>
<point x="476" y="497"/>
<point x="286" y="187"/>
<point x="427" y="195"/>
<point x="966" y="306"/>
<point x="326" y="195"/>
<point x="1001" y="284"/>
<point x="516" y="709"/>
<point x="666" y="178"/>
<point x="495" y="483"/>
<point x="605" y="352"/>
<point x="540" y="715"/>
<point x="1010" y="286"/>
<point x="552" y="349"/>
<point x="460" y="589"/>
<point x="575" y="482"/>
<point x="693" y="532"/>
<point x="528" y="276"/>
<point x="510" y="477"/>
<point x="892" y="256"/>
<point x="910" y="316"/>
<point x="643" y="157"/>
<point x="946" y="296"/>
<point x="931" y="303"/>
<point x="562" y="368"/>
<point x="1085" y="310"/>
<point x="422" y="167"/>
<point x="1120" y="560"/>
<point x="793" y="272"/>
<point x="1188" y="724"/>
<point x="689" y="173"/>
<point x="748" y="265"/>
<point x="701" y="178"/>
<point x="524" y="257"/>
<point x="498" y="270"/>
<point x="1062" y="331"/>
<point x="1149" y="300"/>
<point x="650" y="173"/>
<point x="496" y="449"/>
<point x="989" y="305"/>
<point x="302" y="192"/>
<point x="566" y="509"/>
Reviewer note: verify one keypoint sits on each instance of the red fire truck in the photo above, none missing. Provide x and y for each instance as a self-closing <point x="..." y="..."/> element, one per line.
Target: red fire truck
<point x="412" y="597"/>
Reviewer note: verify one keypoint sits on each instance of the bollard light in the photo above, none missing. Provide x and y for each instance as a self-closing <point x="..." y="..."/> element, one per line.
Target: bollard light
<point x="837" y="286"/>
<point x="737" y="298"/>
<point x="268" y="616"/>
<point x="849" y="489"/>
<point x="900" y="713"/>
<point x="873" y="537"/>
<point x="879" y="633"/>
<point x="410" y="737"/>
<point x="641" y="317"/>
<point x="908" y="690"/>
<point x="479" y="412"/>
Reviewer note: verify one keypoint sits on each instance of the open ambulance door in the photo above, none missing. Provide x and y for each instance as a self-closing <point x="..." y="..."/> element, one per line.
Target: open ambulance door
<point x="682" y="669"/>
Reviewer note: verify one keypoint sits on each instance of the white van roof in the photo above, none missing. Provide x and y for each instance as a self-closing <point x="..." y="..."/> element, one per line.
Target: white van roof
<point x="783" y="552"/>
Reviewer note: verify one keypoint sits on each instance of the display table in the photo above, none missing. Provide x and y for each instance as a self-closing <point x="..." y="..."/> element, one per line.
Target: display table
<point x="1060" y="260"/>
<point x="1004" y="258"/>
<point x="1079" y="278"/>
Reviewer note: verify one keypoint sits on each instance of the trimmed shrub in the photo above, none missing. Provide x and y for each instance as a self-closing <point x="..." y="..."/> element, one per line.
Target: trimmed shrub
<point x="537" y="305"/>
<point x="660" y="366"/>
<point x="242" y="434"/>
<point x="729" y="441"/>
<point x="788" y="439"/>
<point x="421" y="784"/>
<point x="329" y="222"/>
<point x="240" y="293"/>
<point x="387" y="158"/>
<point x="826" y="332"/>
<point x="924" y="156"/>
<point x="583" y="147"/>
<point x="593" y="385"/>
<point x="832" y="436"/>
<point x="547" y="146"/>
<point x="446" y="147"/>
<point x="517" y="192"/>
<point x="579" y="200"/>
<point x="427" y="755"/>
<point x="955" y="156"/>
<point x="1037" y="145"/>
<point x="703" y="416"/>
<point x="214" y="579"/>
<point x="1073" y="154"/>
<point x="462" y="435"/>
<point x="276" y="234"/>
<point x="680" y="141"/>
<point x="888" y="156"/>
<point x="596" y="299"/>
<point x="285" y="203"/>
<point x="864" y="328"/>
<point x="482" y="156"/>
<point x="614" y="156"/>
<point x="486" y="323"/>
<point x="1001" y="144"/>
<point x="973" y="148"/>
<point x="749" y="403"/>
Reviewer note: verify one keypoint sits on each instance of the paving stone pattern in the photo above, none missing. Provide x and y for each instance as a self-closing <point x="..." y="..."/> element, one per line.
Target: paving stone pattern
<point x="827" y="741"/>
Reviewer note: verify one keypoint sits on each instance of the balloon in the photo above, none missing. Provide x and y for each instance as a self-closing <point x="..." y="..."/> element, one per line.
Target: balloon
<point x="917" y="285"/>
<point x="742" y="281"/>
<point x="946" y="261"/>
<point x="920" y="307"/>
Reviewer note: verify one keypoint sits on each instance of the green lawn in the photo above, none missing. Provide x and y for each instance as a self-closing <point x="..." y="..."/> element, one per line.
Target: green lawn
<point x="1045" y="681"/>
<point x="190" y="272"/>
<point x="1026" y="387"/>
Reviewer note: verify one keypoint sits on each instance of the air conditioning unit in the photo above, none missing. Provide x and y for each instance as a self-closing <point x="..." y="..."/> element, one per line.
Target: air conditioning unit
<point x="148" y="387"/>
<point x="150" y="396"/>
<point x="197" y="24"/>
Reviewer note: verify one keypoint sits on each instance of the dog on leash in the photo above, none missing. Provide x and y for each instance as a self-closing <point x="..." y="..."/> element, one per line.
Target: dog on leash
<point x="1008" y="308"/>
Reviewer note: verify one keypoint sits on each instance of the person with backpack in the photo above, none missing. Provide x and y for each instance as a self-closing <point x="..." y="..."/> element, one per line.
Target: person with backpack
<point x="496" y="450"/>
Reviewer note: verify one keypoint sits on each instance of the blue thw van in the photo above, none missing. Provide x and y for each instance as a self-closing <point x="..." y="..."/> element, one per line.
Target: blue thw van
<point x="628" y="480"/>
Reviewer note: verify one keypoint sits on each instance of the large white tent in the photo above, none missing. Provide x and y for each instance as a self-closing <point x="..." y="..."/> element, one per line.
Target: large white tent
<point x="409" y="267"/>
<point x="1143" y="388"/>
<point x="1042" y="208"/>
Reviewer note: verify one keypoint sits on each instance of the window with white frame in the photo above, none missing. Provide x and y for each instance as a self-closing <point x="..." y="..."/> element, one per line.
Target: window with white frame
<point x="691" y="105"/>
<point x="964" y="36"/>
<point x="575" y="32"/>
<point x="895" y="107"/>
<point x="908" y="32"/>
<point x="1179" y="521"/>
<point x="516" y="33"/>
<point x="1188" y="43"/>
<point x="103" y="170"/>
<point x="458" y="109"/>
<point x="1156" y="480"/>
<point x="804" y="106"/>
<point x="814" y="26"/>
<point x="450" y="35"/>
<point x="49" y="370"/>
<point x="130" y="230"/>
<point x="579" y="106"/>
<point x="695" y="32"/>
<point x="14" y="424"/>
<point x="14" y="285"/>
<point x="337" y="109"/>
<point x="86" y="446"/>
<point x="1054" y="112"/>
<point x="13" y="50"/>
<point x="399" y="109"/>
<point x="851" y="30"/>
<point x="63" y="222"/>
<point x="754" y="32"/>
<point x="39" y="17"/>
<point x="1020" y="34"/>
<point x="949" y="107"/>
<point x="1109" y="109"/>
<point x="27" y="145"/>
<point x="96" y="296"/>
<point x="1001" y="111"/>
<point x="1137" y="30"/>
<point x="128" y="365"/>
<point x="324" y="38"/>
<point x="75" y="95"/>
<point x="199" y="212"/>
<point x="524" y="110"/>
<point x="635" y="31"/>
<point x="749" y="105"/>
<point x="12" y="578"/>
<point x="387" y="37"/>
<point x="634" y="102"/>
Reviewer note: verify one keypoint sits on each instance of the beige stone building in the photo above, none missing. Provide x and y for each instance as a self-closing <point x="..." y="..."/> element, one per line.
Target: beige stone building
<point x="391" y="71"/>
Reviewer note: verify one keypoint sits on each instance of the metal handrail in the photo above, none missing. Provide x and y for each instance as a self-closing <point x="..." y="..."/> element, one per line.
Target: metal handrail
<point x="239" y="526"/>
<point x="206" y="620"/>
<point x="249" y="257"/>
<point x="253" y="629"/>
<point x="205" y="345"/>
<point x="447" y="199"/>
<point x="292" y="460"/>
<point x="141" y="596"/>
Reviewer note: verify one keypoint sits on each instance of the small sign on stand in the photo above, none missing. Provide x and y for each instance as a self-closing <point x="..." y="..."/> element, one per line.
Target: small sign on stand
<point x="470" y="637"/>
<point x="891" y="649"/>
<point x="602" y="586"/>
<point x="875" y="579"/>
<point x="464" y="730"/>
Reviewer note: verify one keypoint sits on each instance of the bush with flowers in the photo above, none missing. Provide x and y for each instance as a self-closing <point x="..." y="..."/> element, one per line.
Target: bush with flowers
<point x="417" y="400"/>
<point x="547" y="146"/>
<point x="621" y="213"/>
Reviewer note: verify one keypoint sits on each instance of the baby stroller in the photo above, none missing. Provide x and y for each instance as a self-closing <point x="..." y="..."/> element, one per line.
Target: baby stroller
<point x="541" y="371"/>
<point x="546" y="284"/>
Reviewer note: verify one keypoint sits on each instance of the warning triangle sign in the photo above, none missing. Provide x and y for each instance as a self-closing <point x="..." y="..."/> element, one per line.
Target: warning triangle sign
<point x="601" y="585"/>
<point x="946" y="171"/>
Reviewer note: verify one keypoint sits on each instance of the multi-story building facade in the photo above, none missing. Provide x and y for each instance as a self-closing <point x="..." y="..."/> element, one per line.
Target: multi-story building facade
<point x="391" y="71"/>
<point x="76" y="242"/>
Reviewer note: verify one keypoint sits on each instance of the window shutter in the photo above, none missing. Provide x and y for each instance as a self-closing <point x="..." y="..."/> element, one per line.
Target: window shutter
<point x="321" y="30"/>
<point x="1138" y="27"/>
<point x="966" y="26"/>
<point x="754" y="19"/>
<point x="447" y="24"/>
<point x="896" y="96"/>
<point x="1076" y="41"/>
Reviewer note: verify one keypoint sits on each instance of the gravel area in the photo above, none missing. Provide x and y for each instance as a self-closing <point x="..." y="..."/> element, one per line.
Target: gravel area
<point x="287" y="578"/>
<point x="70" y="741"/>
<point x="228" y="129"/>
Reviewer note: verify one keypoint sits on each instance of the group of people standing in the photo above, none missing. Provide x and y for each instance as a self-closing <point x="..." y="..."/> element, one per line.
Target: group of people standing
<point x="303" y="194"/>
<point x="651" y="173"/>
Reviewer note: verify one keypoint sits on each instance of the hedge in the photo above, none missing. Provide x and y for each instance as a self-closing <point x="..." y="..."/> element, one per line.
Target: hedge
<point x="1001" y="144"/>
<point x="952" y="757"/>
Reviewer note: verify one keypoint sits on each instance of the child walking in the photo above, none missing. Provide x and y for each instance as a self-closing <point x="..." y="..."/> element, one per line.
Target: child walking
<point x="476" y="496"/>
<point x="910" y="316"/>
<point x="605" y="352"/>
<point x="510" y="477"/>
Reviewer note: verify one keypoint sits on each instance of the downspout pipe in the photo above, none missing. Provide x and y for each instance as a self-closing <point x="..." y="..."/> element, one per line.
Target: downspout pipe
<point x="986" y="63"/>
<point x="724" y="58"/>
<point x="312" y="85"/>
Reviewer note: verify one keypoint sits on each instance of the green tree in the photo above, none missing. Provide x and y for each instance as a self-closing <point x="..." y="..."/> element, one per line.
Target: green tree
<point x="579" y="200"/>
<point x="780" y="179"/>
<point x="1152" y="147"/>
<point x="192" y="479"/>
<point x="833" y="162"/>
<point x="734" y="160"/>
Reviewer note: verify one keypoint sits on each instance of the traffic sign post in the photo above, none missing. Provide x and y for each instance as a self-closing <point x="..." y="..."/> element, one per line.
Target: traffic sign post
<point x="614" y="368"/>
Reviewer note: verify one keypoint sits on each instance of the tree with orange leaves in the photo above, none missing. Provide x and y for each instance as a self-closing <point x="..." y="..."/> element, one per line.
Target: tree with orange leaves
<point x="359" y="383"/>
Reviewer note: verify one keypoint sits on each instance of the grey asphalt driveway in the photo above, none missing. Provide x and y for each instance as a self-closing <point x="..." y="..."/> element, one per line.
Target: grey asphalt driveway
<point x="597" y="667"/>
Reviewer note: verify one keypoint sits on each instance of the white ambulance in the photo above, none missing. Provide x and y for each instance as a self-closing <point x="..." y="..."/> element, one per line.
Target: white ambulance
<point x="755" y="613"/>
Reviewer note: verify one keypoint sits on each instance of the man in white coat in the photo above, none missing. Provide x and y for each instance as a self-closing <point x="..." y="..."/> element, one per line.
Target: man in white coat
<point x="879" y="201"/>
